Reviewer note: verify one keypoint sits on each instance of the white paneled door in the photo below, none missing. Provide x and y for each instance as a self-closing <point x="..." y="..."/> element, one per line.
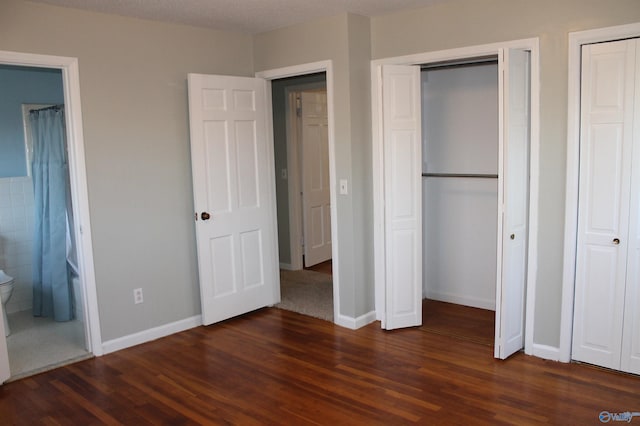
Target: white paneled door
<point x="513" y="197"/>
<point x="606" y="322"/>
<point x="402" y="191"/>
<point x="316" y="201"/>
<point x="234" y="195"/>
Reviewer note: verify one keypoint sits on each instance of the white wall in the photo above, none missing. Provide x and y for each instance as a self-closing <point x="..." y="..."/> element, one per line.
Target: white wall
<point x="460" y="135"/>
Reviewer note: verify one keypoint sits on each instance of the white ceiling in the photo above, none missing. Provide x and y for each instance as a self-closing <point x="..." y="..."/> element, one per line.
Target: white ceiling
<point x="248" y="16"/>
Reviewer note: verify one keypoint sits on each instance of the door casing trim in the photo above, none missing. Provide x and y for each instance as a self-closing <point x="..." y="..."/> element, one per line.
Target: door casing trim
<point x="303" y="69"/>
<point x="469" y="52"/>
<point x="78" y="178"/>
<point x="576" y="40"/>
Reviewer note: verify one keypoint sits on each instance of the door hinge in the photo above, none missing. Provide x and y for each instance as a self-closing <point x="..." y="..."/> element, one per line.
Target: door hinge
<point x="298" y="106"/>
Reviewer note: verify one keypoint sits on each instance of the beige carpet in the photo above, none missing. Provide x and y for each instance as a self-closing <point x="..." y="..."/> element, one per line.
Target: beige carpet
<point x="307" y="292"/>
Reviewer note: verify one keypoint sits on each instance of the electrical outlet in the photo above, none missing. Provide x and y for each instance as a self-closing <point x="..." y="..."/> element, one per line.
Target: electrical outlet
<point x="344" y="189"/>
<point x="137" y="296"/>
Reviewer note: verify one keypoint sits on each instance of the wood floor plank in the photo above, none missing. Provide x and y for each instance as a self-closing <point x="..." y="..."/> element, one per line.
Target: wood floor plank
<point x="273" y="367"/>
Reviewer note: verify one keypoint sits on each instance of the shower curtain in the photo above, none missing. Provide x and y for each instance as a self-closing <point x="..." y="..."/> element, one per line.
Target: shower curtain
<point x="52" y="292"/>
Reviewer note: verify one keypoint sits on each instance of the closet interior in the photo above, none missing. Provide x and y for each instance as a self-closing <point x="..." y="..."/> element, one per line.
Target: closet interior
<point x="460" y="189"/>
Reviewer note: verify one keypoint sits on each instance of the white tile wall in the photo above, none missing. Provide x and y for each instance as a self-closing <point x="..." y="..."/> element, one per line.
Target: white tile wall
<point x="16" y="238"/>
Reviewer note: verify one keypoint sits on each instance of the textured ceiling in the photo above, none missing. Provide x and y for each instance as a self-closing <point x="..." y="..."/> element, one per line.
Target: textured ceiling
<point x="248" y="16"/>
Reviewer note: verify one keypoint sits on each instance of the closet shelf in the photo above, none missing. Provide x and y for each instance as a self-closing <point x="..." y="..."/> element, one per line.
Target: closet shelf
<point x="461" y="175"/>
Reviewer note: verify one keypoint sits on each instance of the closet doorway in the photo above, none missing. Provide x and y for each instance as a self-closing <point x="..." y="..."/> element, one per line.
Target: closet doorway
<point x="606" y="320"/>
<point x="398" y="187"/>
<point x="460" y="197"/>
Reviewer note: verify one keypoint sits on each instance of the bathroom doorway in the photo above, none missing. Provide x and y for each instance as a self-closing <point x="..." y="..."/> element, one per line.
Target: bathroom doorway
<point x="50" y="339"/>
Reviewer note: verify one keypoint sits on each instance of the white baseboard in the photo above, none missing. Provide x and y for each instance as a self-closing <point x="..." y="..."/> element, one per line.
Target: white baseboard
<point x="462" y="300"/>
<point x="546" y="352"/>
<point x="286" y="266"/>
<point x="355" y="323"/>
<point x="150" y="334"/>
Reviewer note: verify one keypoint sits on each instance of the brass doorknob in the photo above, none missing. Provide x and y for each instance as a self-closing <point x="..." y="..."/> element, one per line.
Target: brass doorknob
<point x="205" y="216"/>
<point x="616" y="241"/>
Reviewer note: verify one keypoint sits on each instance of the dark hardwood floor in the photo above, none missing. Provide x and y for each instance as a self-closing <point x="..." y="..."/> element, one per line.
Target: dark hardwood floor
<point x="462" y="322"/>
<point x="280" y="368"/>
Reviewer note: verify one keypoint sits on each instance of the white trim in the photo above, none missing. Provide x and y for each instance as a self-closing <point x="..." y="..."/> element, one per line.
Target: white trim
<point x="356" y="323"/>
<point x="151" y="334"/>
<point x="546" y="352"/>
<point x="576" y="40"/>
<point x="534" y="197"/>
<point x="293" y="184"/>
<point x="531" y="44"/>
<point x="287" y="267"/>
<point x="78" y="178"/>
<point x="327" y="68"/>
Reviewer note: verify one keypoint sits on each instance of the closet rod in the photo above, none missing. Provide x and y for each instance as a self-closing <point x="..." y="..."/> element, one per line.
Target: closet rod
<point x="461" y="175"/>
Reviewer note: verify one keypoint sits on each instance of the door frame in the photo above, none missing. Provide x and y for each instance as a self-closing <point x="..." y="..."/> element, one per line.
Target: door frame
<point x="299" y="70"/>
<point x="78" y="179"/>
<point x="294" y="178"/>
<point x="470" y="52"/>
<point x="576" y="40"/>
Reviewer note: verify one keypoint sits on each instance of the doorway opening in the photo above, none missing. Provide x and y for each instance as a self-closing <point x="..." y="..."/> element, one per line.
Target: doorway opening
<point x="46" y="317"/>
<point x="301" y="153"/>
<point x="460" y="142"/>
<point x="574" y="167"/>
<point x="81" y="337"/>
<point x="398" y="215"/>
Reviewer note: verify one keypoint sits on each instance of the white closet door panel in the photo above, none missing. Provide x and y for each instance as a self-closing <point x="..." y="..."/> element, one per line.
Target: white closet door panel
<point x="402" y="189"/>
<point x="514" y="157"/>
<point x="603" y="221"/>
<point x="630" y="360"/>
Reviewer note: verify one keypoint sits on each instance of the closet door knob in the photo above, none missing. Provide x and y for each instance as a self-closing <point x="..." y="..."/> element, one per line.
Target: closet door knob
<point x="205" y="216"/>
<point x="616" y="241"/>
<point x="512" y="236"/>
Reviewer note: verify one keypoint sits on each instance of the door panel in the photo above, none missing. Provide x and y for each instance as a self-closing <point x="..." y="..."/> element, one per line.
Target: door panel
<point x="631" y="333"/>
<point x="402" y="188"/>
<point x="605" y="168"/>
<point x="232" y="166"/>
<point x="514" y="184"/>
<point x="316" y="196"/>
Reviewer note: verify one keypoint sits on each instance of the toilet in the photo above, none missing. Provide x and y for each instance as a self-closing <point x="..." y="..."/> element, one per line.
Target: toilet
<point x="6" y="288"/>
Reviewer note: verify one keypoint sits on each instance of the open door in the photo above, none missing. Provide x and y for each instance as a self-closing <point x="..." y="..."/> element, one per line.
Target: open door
<point x="403" y="195"/>
<point x="513" y="197"/>
<point x="234" y="195"/>
<point x="5" y="371"/>
<point x="316" y="194"/>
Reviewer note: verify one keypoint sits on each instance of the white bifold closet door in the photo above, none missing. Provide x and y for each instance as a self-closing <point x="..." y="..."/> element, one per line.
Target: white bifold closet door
<point x="606" y="328"/>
